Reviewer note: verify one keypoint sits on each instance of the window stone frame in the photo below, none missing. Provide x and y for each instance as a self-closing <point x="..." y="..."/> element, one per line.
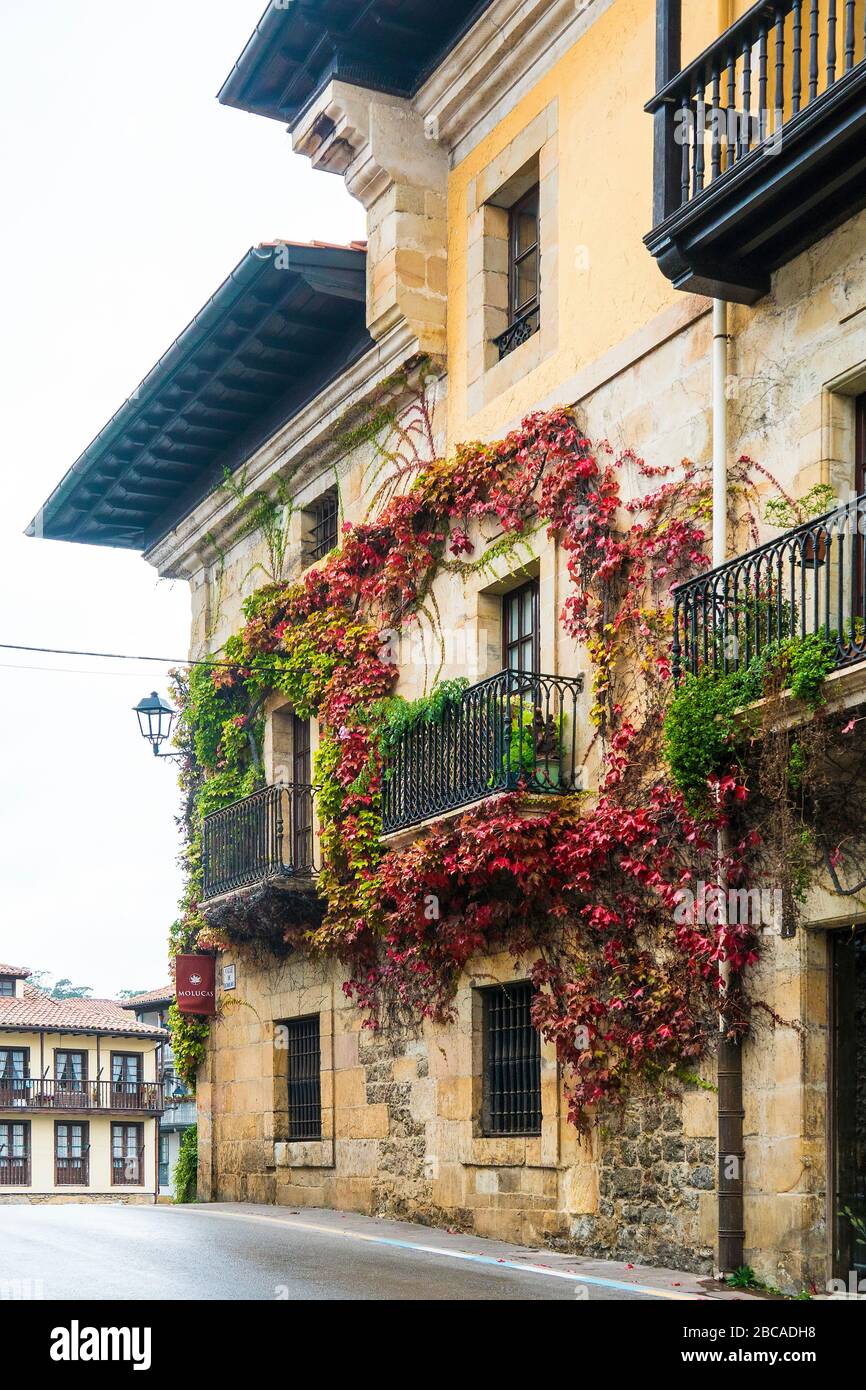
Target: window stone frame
<point x="531" y="157"/>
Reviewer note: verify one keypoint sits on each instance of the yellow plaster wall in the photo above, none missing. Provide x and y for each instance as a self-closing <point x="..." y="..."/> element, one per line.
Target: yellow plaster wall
<point x="609" y="286"/>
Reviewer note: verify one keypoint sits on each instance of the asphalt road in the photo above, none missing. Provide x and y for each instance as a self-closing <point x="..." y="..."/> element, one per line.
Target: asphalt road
<point x="115" y="1252"/>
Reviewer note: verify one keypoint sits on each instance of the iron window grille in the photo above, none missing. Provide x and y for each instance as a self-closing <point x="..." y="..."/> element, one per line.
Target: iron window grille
<point x="14" y="1154"/>
<point x="71" y="1154"/>
<point x="323" y="525"/>
<point x="127" y="1155"/>
<point x="524" y="273"/>
<point x="511" y="1075"/>
<point x="303" y="1051"/>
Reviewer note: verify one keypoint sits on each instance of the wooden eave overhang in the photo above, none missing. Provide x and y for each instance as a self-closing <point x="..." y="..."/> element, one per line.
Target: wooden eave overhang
<point x="383" y="45"/>
<point x="287" y="321"/>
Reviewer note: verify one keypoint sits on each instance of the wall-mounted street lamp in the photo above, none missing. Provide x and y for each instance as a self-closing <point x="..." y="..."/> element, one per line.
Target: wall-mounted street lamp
<point x="155" y="719"/>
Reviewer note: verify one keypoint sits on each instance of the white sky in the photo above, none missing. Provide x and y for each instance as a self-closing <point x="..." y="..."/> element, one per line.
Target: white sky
<point x="129" y="193"/>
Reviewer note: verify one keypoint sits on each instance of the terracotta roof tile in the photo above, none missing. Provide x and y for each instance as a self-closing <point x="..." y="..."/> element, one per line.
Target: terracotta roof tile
<point x="38" y="1010"/>
<point x="165" y="995"/>
<point x="323" y="245"/>
<point x="13" y="972"/>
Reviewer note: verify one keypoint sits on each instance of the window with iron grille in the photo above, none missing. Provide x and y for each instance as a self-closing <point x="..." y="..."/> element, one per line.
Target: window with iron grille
<point x="127" y="1155"/>
<point x="15" y="1154"/>
<point x="71" y="1154"/>
<point x="303" y="1051"/>
<point x="521" y="635"/>
<point x="511" y="1076"/>
<point x="323" y="524"/>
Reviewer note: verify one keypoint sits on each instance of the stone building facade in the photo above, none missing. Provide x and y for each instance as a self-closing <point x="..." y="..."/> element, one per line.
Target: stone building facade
<point x="540" y="95"/>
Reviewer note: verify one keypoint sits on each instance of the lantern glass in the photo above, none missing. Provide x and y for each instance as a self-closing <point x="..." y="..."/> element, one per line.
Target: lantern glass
<point x="155" y="719"/>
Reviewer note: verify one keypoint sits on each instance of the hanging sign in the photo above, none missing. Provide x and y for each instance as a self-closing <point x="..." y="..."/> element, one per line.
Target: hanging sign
<point x="195" y="984"/>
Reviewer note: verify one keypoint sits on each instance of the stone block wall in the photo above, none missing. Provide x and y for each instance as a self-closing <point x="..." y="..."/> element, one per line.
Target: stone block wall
<point x="401" y="1133"/>
<point x="401" y="1111"/>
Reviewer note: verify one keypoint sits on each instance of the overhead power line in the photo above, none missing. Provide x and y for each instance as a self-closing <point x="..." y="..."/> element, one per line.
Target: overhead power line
<point x="119" y="656"/>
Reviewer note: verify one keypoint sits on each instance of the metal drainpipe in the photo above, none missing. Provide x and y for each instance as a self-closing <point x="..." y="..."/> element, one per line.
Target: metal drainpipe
<point x="730" y="1061"/>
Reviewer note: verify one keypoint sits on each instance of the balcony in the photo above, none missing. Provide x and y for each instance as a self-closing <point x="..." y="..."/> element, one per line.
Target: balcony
<point x="264" y="839"/>
<point x="129" y="1097"/>
<point x="179" y="1114"/>
<point x="760" y="143"/>
<point x="811" y="580"/>
<point x="511" y="732"/>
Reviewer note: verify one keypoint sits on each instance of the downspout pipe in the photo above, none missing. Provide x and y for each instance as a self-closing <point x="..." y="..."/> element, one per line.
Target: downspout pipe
<point x="720" y="432"/>
<point x="729" y="1071"/>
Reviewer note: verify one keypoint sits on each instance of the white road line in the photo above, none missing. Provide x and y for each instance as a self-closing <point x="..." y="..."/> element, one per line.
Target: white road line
<point x="595" y="1279"/>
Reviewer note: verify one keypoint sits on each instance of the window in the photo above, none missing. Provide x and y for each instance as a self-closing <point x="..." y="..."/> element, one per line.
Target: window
<point x="322" y="525"/>
<point x="72" y="1154"/>
<point x="301" y="775"/>
<point x="523" y="255"/>
<point x="521" y="637"/>
<point x="511" y="1067"/>
<point x="164" y="1161"/>
<point x="7" y="989"/>
<point x="848" y="1109"/>
<point x="524" y="273"/>
<point x="126" y="1069"/>
<point x="304" y="1081"/>
<point x="14" y="1154"/>
<point x="860" y="489"/>
<point x="302" y="801"/>
<point x="14" y="1073"/>
<point x="127" y="1155"/>
<point x="70" y="1070"/>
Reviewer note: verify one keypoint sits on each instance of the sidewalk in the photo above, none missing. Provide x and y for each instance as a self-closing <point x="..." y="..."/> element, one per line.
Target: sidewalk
<point x="596" y="1274"/>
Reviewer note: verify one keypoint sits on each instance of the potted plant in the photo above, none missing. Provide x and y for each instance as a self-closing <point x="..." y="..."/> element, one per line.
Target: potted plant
<point x="534" y="749"/>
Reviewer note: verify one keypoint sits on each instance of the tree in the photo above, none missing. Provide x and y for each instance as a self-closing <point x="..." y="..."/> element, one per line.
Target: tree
<point x="65" y="989"/>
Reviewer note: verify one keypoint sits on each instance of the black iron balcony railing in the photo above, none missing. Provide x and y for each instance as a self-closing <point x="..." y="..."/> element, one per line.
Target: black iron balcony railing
<point x="269" y="835"/>
<point x="812" y="580"/>
<point x="758" y="141"/>
<point x="33" y="1093"/>
<point x="512" y="731"/>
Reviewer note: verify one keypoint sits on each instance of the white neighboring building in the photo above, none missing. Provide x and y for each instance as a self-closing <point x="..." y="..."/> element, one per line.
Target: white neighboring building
<point x="180" y="1110"/>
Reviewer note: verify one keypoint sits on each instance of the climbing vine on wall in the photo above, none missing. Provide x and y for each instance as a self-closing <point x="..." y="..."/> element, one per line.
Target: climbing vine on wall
<point x="627" y="987"/>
